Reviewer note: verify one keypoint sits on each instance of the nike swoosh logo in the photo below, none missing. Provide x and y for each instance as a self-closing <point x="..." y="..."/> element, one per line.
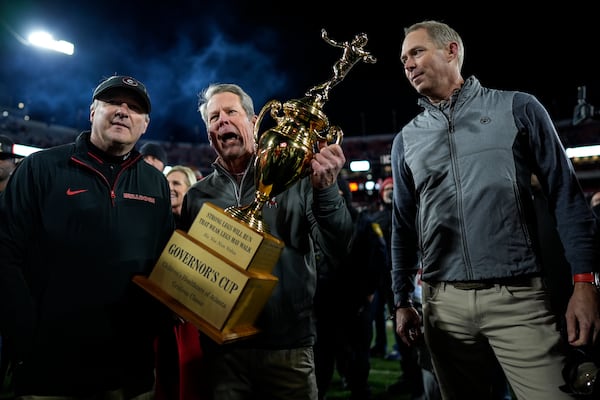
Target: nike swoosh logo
<point x="74" y="192"/>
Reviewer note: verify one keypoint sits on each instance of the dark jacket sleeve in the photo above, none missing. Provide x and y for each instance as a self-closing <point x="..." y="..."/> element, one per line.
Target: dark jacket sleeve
<point x="332" y="225"/>
<point x="17" y="221"/>
<point x="575" y="221"/>
<point x="404" y="240"/>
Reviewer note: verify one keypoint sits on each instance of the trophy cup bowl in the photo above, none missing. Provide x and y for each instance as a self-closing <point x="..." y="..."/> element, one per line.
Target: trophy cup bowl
<point x="284" y="152"/>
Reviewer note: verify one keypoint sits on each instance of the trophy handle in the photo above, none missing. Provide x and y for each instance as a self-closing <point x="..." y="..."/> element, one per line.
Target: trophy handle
<point x="274" y="106"/>
<point x="335" y="135"/>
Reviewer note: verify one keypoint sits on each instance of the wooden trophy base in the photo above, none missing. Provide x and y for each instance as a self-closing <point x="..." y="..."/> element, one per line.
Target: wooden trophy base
<point x="217" y="276"/>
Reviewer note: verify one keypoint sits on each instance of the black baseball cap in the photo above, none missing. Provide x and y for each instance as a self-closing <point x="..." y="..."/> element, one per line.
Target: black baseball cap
<point x="124" y="82"/>
<point x="7" y="148"/>
<point x="155" y="150"/>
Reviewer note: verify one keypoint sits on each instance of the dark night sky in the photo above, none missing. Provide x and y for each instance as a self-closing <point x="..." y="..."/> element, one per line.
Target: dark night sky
<point x="274" y="51"/>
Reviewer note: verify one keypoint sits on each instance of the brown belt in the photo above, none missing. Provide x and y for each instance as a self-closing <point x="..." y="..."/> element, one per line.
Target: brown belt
<point x="488" y="284"/>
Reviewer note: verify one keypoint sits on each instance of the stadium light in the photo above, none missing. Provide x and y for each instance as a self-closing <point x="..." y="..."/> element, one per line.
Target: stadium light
<point x="45" y="40"/>
<point x="41" y="39"/>
<point x="360" y="166"/>
<point x="583" y="151"/>
<point x="24" y="150"/>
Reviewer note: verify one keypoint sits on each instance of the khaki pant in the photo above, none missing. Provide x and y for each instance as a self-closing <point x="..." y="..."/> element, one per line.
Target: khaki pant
<point x="466" y="330"/>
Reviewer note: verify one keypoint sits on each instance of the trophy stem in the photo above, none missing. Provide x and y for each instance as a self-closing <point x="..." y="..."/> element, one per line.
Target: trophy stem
<point x="251" y="215"/>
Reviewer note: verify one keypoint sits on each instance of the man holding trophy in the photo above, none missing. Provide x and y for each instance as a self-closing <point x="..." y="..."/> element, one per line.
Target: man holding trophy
<point x="278" y="361"/>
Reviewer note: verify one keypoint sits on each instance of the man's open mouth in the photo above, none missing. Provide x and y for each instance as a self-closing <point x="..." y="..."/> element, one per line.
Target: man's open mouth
<point x="228" y="136"/>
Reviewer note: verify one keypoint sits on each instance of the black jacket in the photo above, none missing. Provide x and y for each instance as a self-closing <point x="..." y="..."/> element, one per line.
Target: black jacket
<point x="75" y="228"/>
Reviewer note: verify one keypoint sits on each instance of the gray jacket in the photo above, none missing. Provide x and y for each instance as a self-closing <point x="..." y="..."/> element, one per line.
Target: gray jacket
<point x="299" y="216"/>
<point x="463" y="207"/>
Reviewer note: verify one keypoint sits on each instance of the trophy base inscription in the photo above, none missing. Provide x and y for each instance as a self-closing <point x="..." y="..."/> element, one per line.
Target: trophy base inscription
<point x="243" y="246"/>
<point x="218" y="277"/>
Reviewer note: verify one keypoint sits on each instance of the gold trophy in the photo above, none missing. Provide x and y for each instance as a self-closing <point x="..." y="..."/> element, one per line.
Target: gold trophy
<point x="218" y="274"/>
<point x="284" y="151"/>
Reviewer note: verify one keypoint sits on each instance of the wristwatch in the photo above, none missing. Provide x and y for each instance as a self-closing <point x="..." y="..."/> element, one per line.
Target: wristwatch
<point x="588" y="277"/>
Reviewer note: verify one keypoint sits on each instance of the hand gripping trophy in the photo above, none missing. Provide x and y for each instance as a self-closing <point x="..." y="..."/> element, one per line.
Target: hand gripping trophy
<point x="284" y="151"/>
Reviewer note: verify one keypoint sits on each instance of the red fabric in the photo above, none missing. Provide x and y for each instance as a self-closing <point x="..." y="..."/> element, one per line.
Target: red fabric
<point x="389" y="181"/>
<point x="179" y="364"/>
<point x="190" y="361"/>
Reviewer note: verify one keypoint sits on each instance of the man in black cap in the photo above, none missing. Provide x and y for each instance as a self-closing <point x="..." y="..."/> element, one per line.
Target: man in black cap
<point x="154" y="154"/>
<point x="77" y="222"/>
<point x="8" y="160"/>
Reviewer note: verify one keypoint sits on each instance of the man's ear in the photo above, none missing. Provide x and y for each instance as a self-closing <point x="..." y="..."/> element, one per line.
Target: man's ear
<point x="452" y="51"/>
<point x="93" y="109"/>
<point x="147" y="122"/>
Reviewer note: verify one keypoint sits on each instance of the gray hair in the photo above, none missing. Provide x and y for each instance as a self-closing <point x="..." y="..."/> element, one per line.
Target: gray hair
<point x="215" y="88"/>
<point x="441" y="34"/>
